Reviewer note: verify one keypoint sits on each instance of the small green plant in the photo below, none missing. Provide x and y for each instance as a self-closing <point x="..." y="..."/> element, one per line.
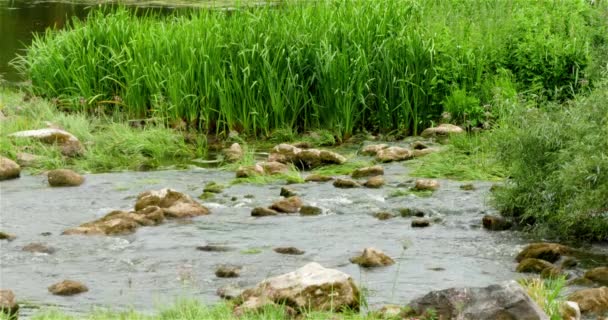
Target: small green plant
<point x="546" y="293"/>
<point x="464" y="108"/>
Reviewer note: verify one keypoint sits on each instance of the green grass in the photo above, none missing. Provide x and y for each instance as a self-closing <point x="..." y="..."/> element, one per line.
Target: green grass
<point x="342" y="65"/>
<point x="109" y="144"/>
<point x="466" y="158"/>
<point x="547" y="294"/>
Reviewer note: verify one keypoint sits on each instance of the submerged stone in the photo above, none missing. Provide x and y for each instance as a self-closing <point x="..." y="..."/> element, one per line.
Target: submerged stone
<point x="310" y="211"/>
<point x="376" y="170"/>
<point x="228" y="272"/>
<point x="7" y="236"/>
<point x="263" y="212"/>
<point x="372" y="257"/>
<point x="420" y="223"/>
<point x="346" y="183"/>
<point x="374" y="182"/>
<point x="289" y="250"/>
<point x="9" y="169"/>
<point x="495" y="222"/>
<point x="68" y="288"/>
<point x="288" y="192"/>
<point x="64" y="178"/>
<point x="317" y="178"/>
<point x="383" y="215"/>
<point x="37" y="247"/>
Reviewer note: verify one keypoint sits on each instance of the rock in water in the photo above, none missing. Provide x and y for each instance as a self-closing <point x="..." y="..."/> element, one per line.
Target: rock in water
<point x="593" y="300"/>
<point x="8" y="305"/>
<point x="372" y="150"/>
<point x="346" y="184"/>
<point x="374" y="182"/>
<point x="36" y="247"/>
<point x="420" y="223"/>
<point x="599" y="275"/>
<point x="442" y="130"/>
<point x="288" y="192"/>
<point x="263" y="212"/>
<point x="9" y="169"/>
<point x="532" y="265"/>
<point x="69" y="145"/>
<point x="376" y="170"/>
<point x="7" y="236"/>
<point x="68" y="288"/>
<point x="544" y="250"/>
<point x="234" y="153"/>
<point x="310" y="288"/>
<point x="426" y="184"/>
<point x="502" y="301"/>
<point x="64" y="178"/>
<point x="288" y="205"/>
<point x="393" y="154"/>
<point x="228" y="272"/>
<point x="289" y="250"/>
<point x="495" y="223"/>
<point x="174" y="204"/>
<point x="317" y="178"/>
<point x="310" y="211"/>
<point x="371" y="258"/>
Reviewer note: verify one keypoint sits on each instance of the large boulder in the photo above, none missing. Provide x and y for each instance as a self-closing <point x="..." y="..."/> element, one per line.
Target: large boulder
<point x="310" y="288"/>
<point x="599" y="275"/>
<point x="234" y="153"/>
<point x="174" y="204"/>
<point x="393" y="154"/>
<point x="69" y="145"/>
<point x="442" y="130"/>
<point x="593" y="300"/>
<point x="502" y="301"/>
<point x="9" y="169"/>
<point x="287" y="205"/>
<point x="64" y="178"/>
<point x="544" y="250"/>
<point x="376" y="170"/>
<point x="371" y="258"/>
<point x="68" y="288"/>
<point x="8" y="304"/>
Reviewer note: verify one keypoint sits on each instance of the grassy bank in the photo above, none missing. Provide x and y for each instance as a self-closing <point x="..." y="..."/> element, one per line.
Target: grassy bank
<point x="382" y="66"/>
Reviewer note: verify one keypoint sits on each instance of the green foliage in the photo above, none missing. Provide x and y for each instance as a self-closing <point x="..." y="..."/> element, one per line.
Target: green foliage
<point x="464" y="108"/>
<point x="557" y="161"/>
<point x="347" y="65"/>
<point x="547" y="294"/>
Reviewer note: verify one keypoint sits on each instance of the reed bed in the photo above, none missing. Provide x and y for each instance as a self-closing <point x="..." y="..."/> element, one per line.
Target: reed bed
<point x="342" y="65"/>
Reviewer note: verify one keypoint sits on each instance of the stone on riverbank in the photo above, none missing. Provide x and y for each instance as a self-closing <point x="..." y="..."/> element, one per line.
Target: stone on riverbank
<point x="8" y="304"/>
<point x="317" y="178"/>
<point x="64" y="178"/>
<point x="495" y="222"/>
<point x="426" y="184"/>
<point x="442" y="130"/>
<point x="25" y="159"/>
<point x="69" y="145"/>
<point x="393" y="154"/>
<point x="599" y="275"/>
<point x="287" y="205"/>
<point x="502" y="301"/>
<point x="304" y="158"/>
<point x="371" y="258"/>
<point x="68" y="288"/>
<point x="374" y="182"/>
<point x="376" y="170"/>
<point x="9" y="169"/>
<point x="531" y="265"/>
<point x="310" y="288"/>
<point x="234" y="153"/>
<point x="544" y="250"/>
<point x="249" y="171"/>
<point x="346" y="183"/>
<point x="593" y="300"/>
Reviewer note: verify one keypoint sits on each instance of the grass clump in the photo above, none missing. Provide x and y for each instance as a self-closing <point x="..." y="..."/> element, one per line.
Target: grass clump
<point x="546" y="293"/>
<point x="108" y="145"/>
<point x="465" y="158"/>
<point x="348" y="65"/>
<point x="557" y="161"/>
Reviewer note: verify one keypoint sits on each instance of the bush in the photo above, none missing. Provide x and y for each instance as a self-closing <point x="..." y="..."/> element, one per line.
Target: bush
<point x="557" y="160"/>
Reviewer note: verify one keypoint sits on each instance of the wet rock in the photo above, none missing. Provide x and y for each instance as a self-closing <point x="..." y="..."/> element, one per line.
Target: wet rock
<point x="383" y="215"/>
<point x="263" y="212"/>
<point x="151" y="215"/>
<point x="287" y="205"/>
<point x="442" y="130"/>
<point x="426" y="184"/>
<point x="317" y="178"/>
<point x="468" y="187"/>
<point x="593" y="300"/>
<point x="420" y="223"/>
<point x="37" y="247"/>
<point x="234" y="153"/>
<point x="229" y="292"/>
<point x="371" y="258"/>
<point x="213" y="187"/>
<point x="27" y="159"/>
<point x="64" y="178"/>
<point x="310" y="211"/>
<point x="69" y="145"/>
<point x="346" y="183"/>
<point x="8" y="304"/>
<point x="376" y="170"/>
<point x="174" y="204"/>
<point x="306" y="158"/>
<point x="372" y="150"/>
<point x="393" y="154"/>
<point x="68" y="288"/>
<point x="9" y="169"/>
<point x="501" y="301"/>
<point x="310" y="288"/>
<point x="411" y="212"/>
<point x="567" y="262"/>
<point x="531" y="265"/>
<point x="329" y="157"/>
<point x="7" y="236"/>
<point x="289" y="250"/>
<point x="419" y="145"/>
<point x="495" y="222"/>
<point x="599" y="275"/>
<point x="213" y="248"/>
<point x="544" y="250"/>
<point x="423" y="152"/>
<point x="228" y="272"/>
<point x="288" y="192"/>
<point x="570" y="310"/>
<point x="273" y="167"/>
<point x="374" y="182"/>
<point x="284" y="153"/>
<point x="249" y="171"/>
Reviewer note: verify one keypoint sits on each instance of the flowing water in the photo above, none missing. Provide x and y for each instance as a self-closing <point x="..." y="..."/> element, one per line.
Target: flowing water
<point x="160" y="264"/>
